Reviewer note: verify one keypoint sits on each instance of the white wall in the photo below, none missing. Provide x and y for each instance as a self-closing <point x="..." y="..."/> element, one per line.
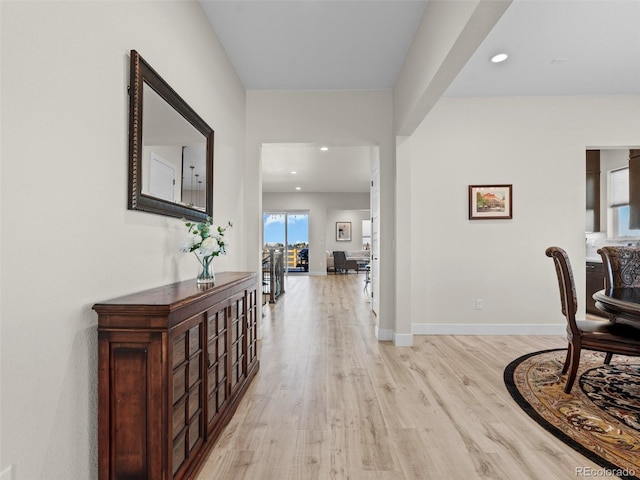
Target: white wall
<point x="322" y="208"/>
<point x="536" y="144"/>
<point x="72" y="242"/>
<point x="404" y="234"/>
<point x="346" y="215"/>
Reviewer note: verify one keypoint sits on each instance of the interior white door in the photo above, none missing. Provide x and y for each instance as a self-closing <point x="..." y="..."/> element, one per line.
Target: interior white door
<point x="162" y="178"/>
<point x="375" y="227"/>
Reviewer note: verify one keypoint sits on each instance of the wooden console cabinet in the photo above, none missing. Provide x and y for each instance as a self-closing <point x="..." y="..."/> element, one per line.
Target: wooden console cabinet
<point x="173" y="364"/>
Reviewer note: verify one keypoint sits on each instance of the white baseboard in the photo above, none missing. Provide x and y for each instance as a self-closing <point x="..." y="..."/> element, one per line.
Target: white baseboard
<point x="383" y="335"/>
<point x="399" y="339"/>
<point x="403" y="339"/>
<point x="488" y="329"/>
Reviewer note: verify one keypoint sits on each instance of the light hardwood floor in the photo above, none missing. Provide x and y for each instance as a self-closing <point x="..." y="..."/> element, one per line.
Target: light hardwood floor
<point x="331" y="402"/>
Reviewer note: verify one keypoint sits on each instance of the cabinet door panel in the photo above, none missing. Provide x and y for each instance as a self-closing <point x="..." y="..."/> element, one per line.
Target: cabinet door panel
<point x="194" y="369"/>
<point x="194" y="403"/>
<point x="179" y="453"/>
<point x="195" y="435"/>
<point x="217" y="365"/>
<point x="130" y="413"/>
<point x="187" y="387"/>
<point x="252" y="328"/>
<point x="178" y="417"/>
<point x="179" y="349"/>
<point x="634" y="189"/>
<point x="237" y="317"/>
<point x="222" y="345"/>
<point x="594" y="282"/>
<point x="179" y="375"/>
<point x="194" y="340"/>
<point x="593" y="188"/>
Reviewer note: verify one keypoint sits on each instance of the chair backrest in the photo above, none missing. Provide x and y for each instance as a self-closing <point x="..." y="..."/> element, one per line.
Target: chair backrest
<point x="339" y="259"/>
<point x="567" y="286"/>
<point x="621" y="266"/>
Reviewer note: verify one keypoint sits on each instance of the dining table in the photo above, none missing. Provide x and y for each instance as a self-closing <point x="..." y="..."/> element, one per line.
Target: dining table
<point x="622" y="303"/>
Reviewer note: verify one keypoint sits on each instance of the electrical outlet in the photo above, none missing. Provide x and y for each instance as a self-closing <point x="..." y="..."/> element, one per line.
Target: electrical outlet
<point x="479" y="304"/>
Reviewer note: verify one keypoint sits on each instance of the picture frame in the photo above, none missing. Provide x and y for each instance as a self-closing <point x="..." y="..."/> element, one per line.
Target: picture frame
<point x="343" y="231"/>
<point x="491" y="202"/>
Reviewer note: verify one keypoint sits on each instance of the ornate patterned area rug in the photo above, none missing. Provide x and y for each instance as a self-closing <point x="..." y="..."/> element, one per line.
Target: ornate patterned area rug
<point x="600" y="418"/>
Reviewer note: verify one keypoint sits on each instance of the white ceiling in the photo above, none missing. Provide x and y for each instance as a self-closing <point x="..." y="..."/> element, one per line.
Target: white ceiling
<point x="316" y="45"/>
<point x="556" y="47"/>
<point x="339" y="169"/>
<point x="577" y="47"/>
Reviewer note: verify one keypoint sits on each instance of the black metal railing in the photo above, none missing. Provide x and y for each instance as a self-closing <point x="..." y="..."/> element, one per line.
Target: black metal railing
<point x="272" y="274"/>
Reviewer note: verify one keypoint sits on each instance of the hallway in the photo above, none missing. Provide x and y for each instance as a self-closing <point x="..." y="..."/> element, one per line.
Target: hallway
<point x="330" y="401"/>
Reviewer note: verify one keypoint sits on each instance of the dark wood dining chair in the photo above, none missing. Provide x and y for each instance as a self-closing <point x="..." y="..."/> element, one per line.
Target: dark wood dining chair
<point x="621" y="266"/>
<point x="602" y="336"/>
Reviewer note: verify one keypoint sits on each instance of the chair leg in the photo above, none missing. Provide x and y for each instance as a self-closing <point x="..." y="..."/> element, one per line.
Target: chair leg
<point x="607" y="358"/>
<point x="573" y="369"/>
<point x="567" y="360"/>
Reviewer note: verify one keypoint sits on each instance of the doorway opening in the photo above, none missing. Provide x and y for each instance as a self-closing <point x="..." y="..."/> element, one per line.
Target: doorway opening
<point x="325" y="179"/>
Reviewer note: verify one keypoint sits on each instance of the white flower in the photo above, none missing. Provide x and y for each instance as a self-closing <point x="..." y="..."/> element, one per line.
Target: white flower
<point x="189" y="242"/>
<point x="186" y="244"/>
<point x="212" y="245"/>
<point x="209" y="246"/>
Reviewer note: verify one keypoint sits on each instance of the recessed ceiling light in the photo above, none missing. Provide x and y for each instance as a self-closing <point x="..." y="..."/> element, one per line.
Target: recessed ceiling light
<point x="293" y="172"/>
<point x="324" y="149"/>
<point x="500" y="57"/>
<point x="298" y="188"/>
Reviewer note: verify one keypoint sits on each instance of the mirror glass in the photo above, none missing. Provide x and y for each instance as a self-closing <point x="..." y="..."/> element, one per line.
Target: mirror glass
<point x="173" y="154"/>
<point x="171" y="149"/>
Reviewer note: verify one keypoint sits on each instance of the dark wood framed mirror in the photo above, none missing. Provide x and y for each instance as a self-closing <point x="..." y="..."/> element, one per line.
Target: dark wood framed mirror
<point x="170" y="149"/>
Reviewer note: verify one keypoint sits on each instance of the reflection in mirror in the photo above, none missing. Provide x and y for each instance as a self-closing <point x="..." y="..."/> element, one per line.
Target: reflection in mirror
<point x="173" y="154"/>
<point x="170" y="149"/>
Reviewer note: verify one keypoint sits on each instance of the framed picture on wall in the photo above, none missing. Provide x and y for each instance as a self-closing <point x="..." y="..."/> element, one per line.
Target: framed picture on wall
<point x="343" y="231"/>
<point x="490" y="202"/>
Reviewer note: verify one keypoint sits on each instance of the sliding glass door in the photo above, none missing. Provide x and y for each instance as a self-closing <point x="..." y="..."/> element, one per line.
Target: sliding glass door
<point x="289" y="232"/>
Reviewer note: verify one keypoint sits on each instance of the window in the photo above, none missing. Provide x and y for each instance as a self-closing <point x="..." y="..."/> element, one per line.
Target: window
<point x="619" y="203"/>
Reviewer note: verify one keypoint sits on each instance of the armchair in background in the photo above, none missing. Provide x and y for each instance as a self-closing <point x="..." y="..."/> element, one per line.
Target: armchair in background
<point x="341" y="264"/>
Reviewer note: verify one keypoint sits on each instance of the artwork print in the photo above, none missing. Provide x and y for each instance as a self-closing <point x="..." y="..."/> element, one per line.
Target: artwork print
<point x="490" y="202"/>
<point x="343" y="231"/>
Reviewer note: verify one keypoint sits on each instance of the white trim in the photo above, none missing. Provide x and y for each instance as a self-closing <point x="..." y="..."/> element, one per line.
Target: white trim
<point x="403" y="339"/>
<point x="383" y="335"/>
<point x="488" y="329"/>
<point x="317" y="272"/>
